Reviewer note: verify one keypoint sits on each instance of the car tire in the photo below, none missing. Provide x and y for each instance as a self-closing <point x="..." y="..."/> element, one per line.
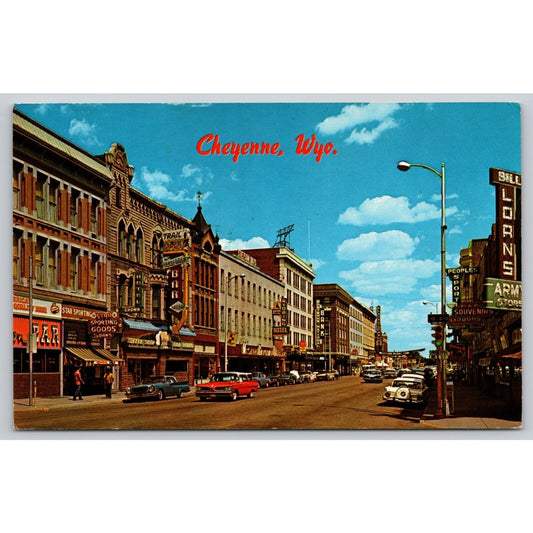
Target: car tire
<point x="251" y="394"/>
<point x="160" y="395"/>
<point x="203" y="398"/>
<point x="234" y="395"/>
<point x="180" y="394"/>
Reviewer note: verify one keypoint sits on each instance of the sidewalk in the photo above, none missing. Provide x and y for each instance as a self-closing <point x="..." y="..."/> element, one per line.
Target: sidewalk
<point x="55" y="402"/>
<point x="474" y="409"/>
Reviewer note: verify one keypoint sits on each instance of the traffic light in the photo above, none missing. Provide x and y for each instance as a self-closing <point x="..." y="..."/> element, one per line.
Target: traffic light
<point x="437" y="334"/>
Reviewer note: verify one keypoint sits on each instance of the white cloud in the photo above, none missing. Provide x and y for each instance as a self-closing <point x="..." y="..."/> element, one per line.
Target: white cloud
<point x="393" y="244"/>
<point x="162" y="187"/>
<point x="376" y="278"/>
<point x="365" y="136"/>
<point x="388" y="210"/>
<point x="239" y="244"/>
<point x="198" y="176"/>
<point x="317" y="263"/>
<point x="83" y="131"/>
<point x="355" y="115"/>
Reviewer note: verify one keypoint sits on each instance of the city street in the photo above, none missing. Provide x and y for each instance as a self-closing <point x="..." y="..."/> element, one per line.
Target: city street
<point x="347" y="403"/>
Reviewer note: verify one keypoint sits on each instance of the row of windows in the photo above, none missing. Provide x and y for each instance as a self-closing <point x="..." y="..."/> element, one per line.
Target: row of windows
<point x="130" y="243"/>
<point x="246" y="324"/>
<point x="46" y="257"/>
<point x="298" y="282"/>
<point x="247" y="290"/>
<point x="47" y="192"/>
<point x="300" y="337"/>
<point x="299" y="301"/>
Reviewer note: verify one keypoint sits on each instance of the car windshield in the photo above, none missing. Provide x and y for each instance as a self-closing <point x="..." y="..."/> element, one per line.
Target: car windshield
<point x="223" y="377"/>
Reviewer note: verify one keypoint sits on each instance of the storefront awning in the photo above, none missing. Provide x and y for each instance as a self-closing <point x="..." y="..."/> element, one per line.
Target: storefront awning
<point x="87" y="355"/>
<point x="517" y="355"/>
<point x="144" y="326"/>
<point x="106" y="354"/>
<point x="186" y="332"/>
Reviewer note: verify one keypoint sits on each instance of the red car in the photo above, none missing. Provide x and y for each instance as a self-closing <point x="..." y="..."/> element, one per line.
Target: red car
<point x="228" y="385"/>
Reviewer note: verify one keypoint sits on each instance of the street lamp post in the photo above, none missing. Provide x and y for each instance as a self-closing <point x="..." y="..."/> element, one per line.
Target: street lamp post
<point x="425" y="302"/>
<point x="404" y="166"/>
<point x="230" y="278"/>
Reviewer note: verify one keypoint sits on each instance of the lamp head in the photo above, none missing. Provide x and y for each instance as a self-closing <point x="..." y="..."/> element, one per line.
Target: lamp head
<point x="404" y="166"/>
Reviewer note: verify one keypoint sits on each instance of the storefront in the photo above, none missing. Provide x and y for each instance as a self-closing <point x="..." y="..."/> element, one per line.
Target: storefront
<point x="46" y="360"/>
<point x="148" y="349"/>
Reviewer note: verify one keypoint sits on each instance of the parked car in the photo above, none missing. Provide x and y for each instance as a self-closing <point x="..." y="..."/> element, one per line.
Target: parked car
<point x="407" y="389"/>
<point x="308" y="376"/>
<point x="286" y="379"/>
<point x="227" y="385"/>
<point x="274" y="380"/>
<point x="325" y="375"/>
<point x="390" y="373"/>
<point x="372" y="376"/>
<point x="159" y="387"/>
<point x="262" y="379"/>
<point x="296" y="375"/>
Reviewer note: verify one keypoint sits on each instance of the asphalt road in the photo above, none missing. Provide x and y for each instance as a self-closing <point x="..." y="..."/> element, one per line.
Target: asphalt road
<point x="347" y="403"/>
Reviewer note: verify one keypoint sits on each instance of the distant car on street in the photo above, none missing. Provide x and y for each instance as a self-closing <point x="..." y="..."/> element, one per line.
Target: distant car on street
<point x="372" y="376"/>
<point x="390" y="373"/>
<point x="308" y="377"/>
<point x="159" y="387"/>
<point x="285" y="379"/>
<point x="261" y="378"/>
<point x="227" y="385"/>
<point x="325" y="375"/>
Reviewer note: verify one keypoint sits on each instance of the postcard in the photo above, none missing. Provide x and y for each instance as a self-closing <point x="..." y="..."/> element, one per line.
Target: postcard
<point x="274" y="265"/>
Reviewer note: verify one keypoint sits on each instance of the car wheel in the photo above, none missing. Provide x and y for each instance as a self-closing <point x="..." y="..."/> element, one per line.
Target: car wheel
<point x="203" y="398"/>
<point x="403" y="393"/>
<point x="251" y="394"/>
<point x="160" y="395"/>
<point x="180" y="394"/>
<point x="234" y="395"/>
<point x="267" y="385"/>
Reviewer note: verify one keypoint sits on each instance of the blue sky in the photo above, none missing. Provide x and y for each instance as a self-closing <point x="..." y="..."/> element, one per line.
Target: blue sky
<point x="361" y="222"/>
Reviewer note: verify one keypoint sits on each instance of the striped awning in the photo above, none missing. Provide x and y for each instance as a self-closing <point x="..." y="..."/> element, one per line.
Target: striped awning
<point x="88" y="356"/>
<point x="106" y="354"/>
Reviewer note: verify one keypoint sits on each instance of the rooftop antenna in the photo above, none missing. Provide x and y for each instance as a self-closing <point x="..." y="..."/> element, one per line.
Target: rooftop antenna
<point x="283" y="238"/>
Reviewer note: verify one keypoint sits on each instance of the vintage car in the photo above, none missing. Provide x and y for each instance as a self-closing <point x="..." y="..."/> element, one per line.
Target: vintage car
<point x="262" y="379"/>
<point x="307" y="376"/>
<point x="227" y="385"/>
<point x="325" y="375"/>
<point x="408" y="390"/>
<point x="285" y="379"/>
<point x="390" y="373"/>
<point x="157" y="387"/>
<point x="372" y="376"/>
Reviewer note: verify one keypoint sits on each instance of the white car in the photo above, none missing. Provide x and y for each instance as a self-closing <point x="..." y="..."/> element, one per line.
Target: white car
<point x="407" y="390"/>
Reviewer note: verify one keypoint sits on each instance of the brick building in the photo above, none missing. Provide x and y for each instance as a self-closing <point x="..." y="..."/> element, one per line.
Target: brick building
<point x="163" y="281"/>
<point x="60" y="227"/>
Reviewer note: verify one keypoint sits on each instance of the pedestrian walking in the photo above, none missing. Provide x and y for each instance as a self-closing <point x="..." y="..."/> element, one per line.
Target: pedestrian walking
<point x="78" y="381"/>
<point x="108" y="382"/>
